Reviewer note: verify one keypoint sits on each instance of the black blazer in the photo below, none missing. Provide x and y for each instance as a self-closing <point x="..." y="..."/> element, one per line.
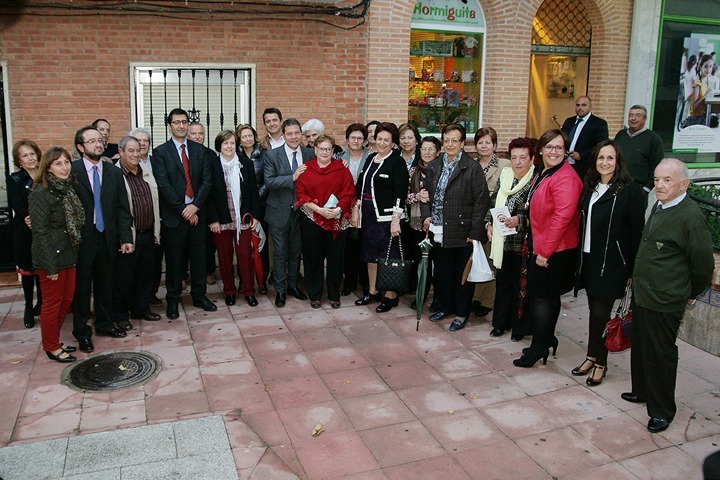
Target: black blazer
<point x="19" y="185"/>
<point x="218" y="206"/>
<point x="170" y="178"/>
<point x="389" y="184"/>
<point x="594" y="132"/>
<point x="116" y="209"/>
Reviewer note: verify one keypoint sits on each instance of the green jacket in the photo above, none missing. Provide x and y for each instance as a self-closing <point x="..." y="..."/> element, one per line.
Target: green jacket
<point x="52" y="249"/>
<point x="675" y="261"/>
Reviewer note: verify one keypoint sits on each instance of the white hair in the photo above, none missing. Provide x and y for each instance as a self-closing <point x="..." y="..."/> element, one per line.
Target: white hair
<point x="314" y="124"/>
<point x="679" y="165"/>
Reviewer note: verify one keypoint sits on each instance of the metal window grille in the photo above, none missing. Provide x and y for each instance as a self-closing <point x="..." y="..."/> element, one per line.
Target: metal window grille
<point x="561" y="26"/>
<point x="219" y="98"/>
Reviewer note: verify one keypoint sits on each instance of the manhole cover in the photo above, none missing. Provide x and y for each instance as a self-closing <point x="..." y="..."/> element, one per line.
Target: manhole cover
<point x="112" y="371"/>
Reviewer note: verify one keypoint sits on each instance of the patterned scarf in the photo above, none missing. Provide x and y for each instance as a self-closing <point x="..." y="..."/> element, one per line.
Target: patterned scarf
<point x="438" y="203"/>
<point x="74" y="212"/>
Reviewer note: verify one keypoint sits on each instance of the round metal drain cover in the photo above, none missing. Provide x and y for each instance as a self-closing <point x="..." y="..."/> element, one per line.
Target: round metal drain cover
<point x="112" y="371"/>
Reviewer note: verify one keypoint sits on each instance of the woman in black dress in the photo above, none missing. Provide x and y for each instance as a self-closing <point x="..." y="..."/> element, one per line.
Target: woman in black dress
<point x="26" y="157"/>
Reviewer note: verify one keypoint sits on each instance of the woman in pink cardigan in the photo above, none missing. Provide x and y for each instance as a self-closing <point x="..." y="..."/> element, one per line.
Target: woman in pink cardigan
<point x="552" y="242"/>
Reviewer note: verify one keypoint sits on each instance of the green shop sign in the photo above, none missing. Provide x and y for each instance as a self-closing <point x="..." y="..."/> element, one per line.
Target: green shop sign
<point x="449" y="13"/>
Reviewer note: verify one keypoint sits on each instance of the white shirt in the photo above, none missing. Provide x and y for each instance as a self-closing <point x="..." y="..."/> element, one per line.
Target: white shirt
<point x="597" y="193"/>
<point x="672" y="202"/>
<point x="178" y="146"/>
<point x="146" y="165"/>
<point x="89" y="169"/>
<point x="580" y="125"/>
<point x="276" y="143"/>
<point x="289" y="153"/>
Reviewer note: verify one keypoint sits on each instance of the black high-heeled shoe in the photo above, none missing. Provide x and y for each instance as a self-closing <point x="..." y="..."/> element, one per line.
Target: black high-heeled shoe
<point x="387" y="304"/>
<point x="553" y="344"/>
<point x="29" y="317"/>
<point x="528" y="361"/>
<point x="579" y="371"/>
<point x="66" y="359"/>
<point x="592" y="381"/>
<point x="369" y="298"/>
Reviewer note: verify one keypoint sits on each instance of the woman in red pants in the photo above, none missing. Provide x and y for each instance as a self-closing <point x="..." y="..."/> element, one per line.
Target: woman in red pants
<point x="57" y="217"/>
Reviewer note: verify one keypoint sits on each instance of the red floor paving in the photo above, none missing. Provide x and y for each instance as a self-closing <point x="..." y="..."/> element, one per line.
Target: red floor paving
<point x="395" y="403"/>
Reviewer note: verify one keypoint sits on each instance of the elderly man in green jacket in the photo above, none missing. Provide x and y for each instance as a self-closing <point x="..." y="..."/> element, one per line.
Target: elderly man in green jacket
<point x="674" y="264"/>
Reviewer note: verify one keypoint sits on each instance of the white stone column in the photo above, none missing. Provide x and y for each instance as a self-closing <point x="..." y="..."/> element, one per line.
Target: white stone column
<point x="643" y="54"/>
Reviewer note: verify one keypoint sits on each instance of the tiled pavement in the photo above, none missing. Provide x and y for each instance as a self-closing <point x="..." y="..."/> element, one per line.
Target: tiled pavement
<point x="250" y="384"/>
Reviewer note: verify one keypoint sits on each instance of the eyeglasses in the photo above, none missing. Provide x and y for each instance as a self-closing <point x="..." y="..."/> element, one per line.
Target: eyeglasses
<point x="324" y="149"/>
<point x="92" y="141"/>
<point x="428" y="150"/>
<point x="179" y="122"/>
<point x="554" y="148"/>
<point x="451" y="141"/>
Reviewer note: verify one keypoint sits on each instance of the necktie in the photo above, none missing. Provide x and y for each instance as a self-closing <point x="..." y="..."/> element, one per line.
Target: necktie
<point x="655" y="215"/>
<point x="186" y="168"/>
<point x="574" y="129"/>
<point x="97" y="204"/>
<point x="294" y="162"/>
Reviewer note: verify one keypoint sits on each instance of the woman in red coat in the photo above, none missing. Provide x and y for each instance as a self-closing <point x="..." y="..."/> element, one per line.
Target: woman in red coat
<point x="553" y="240"/>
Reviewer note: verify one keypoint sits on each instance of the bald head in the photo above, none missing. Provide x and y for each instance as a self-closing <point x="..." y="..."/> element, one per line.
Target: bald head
<point x="583" y="105"/>
<point x="671" y="179"/>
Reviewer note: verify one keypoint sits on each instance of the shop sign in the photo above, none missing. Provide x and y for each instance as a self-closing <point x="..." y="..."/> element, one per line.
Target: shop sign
<point x="449" y="13"/>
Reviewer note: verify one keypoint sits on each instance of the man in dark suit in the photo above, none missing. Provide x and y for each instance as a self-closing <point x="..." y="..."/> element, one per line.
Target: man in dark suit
<point x="283" y="166"/>
<point x="111" y="149"/>
<point x="101" y="190"/>
<point x="182" y="174"/>
<point x="585" y="131"/>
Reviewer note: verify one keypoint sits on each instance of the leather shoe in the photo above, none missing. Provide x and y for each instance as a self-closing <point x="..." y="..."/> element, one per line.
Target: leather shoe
<point x="315" y="304"/>
<point x="263" y="289"/>
<point x="345" y="292"/>
<point x="204" y="303"/>
<point x="387" y="304"/>
<point x="155" y="301"/>
<point x="335" y="304"/>
<point x="280" y="300"/>
<point x="172" y="311"/>
<point x="297" y="293"/>
<point x="86" y="345"/>
<point x="68" y="348"/>
<point x="497" y="332"/>
<point x="369" y="298"/>
<point x="631" y="397"/>
<point x="458" y="324"/>
<point x="58" y="358"/>
<point x="252" y="301"/>
<point x="516" y="337"/>
<point x="149" y="316"/>
<point x="229" y="300"/>
<point x="113" y="332"/>
<point x="656" y="424"/>
<point x="124" y="325"/>
<point x="437" y="316"/>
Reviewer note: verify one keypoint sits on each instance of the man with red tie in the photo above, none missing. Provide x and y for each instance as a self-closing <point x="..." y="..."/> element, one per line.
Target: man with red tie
<point x="182" y="174"/>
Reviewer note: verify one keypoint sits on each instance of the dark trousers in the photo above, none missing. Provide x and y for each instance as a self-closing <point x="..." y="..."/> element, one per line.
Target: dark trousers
<point x="286" y="254"/>
<point x="157" y="268"/>
<point x="226" y="243"/>
<point x="449" y="267"/>
<point x="544" y="313"/>
<point x="58" y="298"/>
<point x="507" y="296"/>
<point x="133" y="278"/>
<point x="28" y="283"/>
<point x="176" y="240"/>
<point x="318" y="246"/>
<point x="94" y="276"/>
<point x="654" y="359"/>
<point x="355" y="269"/>
<point x="600" y="310"/>
<point x="265" y="255"/>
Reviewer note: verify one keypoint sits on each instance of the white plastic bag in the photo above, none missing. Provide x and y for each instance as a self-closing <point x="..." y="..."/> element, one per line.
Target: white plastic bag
<point x="480" y="270"/>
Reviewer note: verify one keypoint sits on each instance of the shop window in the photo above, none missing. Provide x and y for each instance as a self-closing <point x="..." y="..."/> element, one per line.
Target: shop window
<point x="5" y="146"/>
<point x="446" y="65"/>
<point x="219" y="98"/>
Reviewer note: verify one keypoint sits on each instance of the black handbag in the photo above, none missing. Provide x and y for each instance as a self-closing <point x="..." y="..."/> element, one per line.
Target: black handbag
<point x="393" y="274"/>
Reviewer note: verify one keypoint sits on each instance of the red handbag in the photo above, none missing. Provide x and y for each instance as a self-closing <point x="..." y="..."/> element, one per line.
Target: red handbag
<point x="618" y="331"/>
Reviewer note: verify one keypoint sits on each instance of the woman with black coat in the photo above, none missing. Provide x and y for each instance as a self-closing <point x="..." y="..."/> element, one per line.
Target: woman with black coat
<point x="612" y="221"/>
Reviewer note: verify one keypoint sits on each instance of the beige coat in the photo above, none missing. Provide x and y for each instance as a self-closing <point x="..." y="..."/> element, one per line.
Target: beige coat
<point x="150" y="180"/>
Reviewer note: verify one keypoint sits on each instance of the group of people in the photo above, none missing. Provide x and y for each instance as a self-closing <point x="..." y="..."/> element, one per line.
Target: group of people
<point x="572" y="215"/>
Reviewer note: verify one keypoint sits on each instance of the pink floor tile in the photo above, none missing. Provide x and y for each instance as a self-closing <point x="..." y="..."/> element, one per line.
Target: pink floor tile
<point x="659" y="463"/>
<point x="268" y="427"/>
<point x="305" y="320"/>
<point x="371" y="475"/>
<point x="270" y="467"/>
<point x="501" y="354"/>
<point x="300" y="422"/>
<point x="575" y="404"/>
<point x="246" y="458"/>
<point x="248" y="397"/>
<point x="430" y="469"/>
<point x="378" y="410"/>
<point x="220" y="352"/>
<point x="370" y="331"/>
<point x="215" y="332"/>
<point x="323" y="338"/>
<point x="518" y="418"/>
<point x="613" y="471"/>
<point x="298" y="391"/>
<point x="488" y="389"/>
<point x="333" y="456"/>
<point x="221" y="375"/>
<point x="388" y="351"/>
<point x="401" y="443"/>
<point x="539" y="379"/>
<point x="11" y="401"/>
<point x="95" y="399"/>
<point x="273" y="344"/>
<point x="240" y="434"/>
<point x="335" y="359"/>
<point x="619" y="436"/>
<point x="457" y="364"/>
<point x="435" y="399"/>
<point x="349" y="314"/>
<point x="108" y="417"/>
<point x="53" y="423"/>
<point x="289" y="456"/>
<point x="176" y="336"/>
<point x="502" y="460"/>
<point x="411" y="373"/>
<point x="254" y="326"/>
<point x="463" y="430"/>
<point x="284" y="365"/>
<point x="175" y="357"/>
<point x="50" y="398"/>
<point x="354" y="383"/>
<point x="563" y="451"/>
<point x="175" y="380"/>
<point x="176" y="405"/>
<point x="479" y="337"/>
<point x="434" y="342"/>
<point x="699" y="449"/>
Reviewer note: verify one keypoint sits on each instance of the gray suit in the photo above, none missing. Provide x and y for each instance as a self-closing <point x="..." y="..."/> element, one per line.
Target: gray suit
<point x="281" y="215"/>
